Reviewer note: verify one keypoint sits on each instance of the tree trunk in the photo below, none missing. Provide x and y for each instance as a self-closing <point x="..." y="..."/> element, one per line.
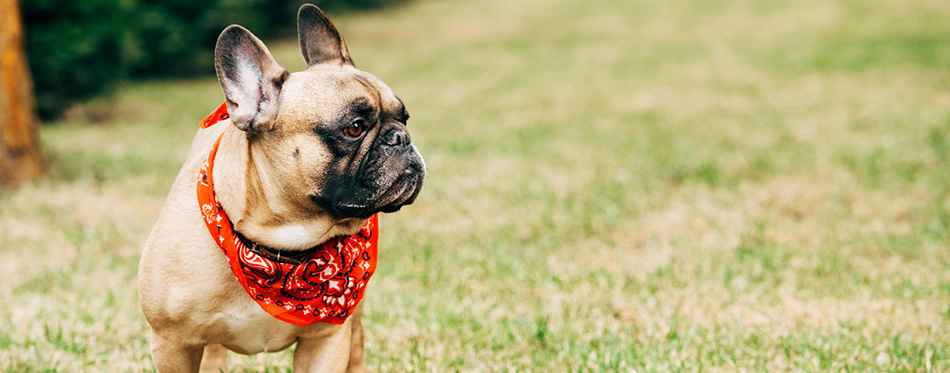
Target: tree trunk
<point x="19" y="152"/>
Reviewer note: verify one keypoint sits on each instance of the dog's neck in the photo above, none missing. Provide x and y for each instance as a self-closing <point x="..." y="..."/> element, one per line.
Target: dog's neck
<point x="253" y="203"/>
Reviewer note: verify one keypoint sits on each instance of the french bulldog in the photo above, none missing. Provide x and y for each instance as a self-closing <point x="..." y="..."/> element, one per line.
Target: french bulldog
<point x="301" y="160"/>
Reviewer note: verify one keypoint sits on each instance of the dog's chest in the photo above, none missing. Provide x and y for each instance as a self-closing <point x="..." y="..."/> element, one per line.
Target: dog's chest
<point x="256" y="331"/>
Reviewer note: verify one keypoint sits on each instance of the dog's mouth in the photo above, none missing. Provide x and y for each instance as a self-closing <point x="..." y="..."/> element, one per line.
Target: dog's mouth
<point x="406" y="191"/>
<point x="401" y="192"/>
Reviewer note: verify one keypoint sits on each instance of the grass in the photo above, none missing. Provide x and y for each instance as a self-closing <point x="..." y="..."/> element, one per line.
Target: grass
<point x="737" y="185"/>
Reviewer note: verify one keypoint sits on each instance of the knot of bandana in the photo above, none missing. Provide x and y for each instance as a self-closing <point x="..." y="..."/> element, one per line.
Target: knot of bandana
<point x="326" y="285"/>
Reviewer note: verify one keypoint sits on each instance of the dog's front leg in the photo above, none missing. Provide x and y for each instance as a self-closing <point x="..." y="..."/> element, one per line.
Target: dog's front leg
<point x="326" y="352"/>
<point x="169" y="356"/>
<point x="214" y="359"/>
<point x="357" y="362"/>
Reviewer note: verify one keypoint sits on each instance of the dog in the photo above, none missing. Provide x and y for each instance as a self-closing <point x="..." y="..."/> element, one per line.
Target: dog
<point x="268" y="234"/>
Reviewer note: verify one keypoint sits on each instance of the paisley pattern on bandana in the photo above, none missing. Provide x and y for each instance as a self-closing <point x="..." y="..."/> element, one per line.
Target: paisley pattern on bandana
<point x="325" y="286"/>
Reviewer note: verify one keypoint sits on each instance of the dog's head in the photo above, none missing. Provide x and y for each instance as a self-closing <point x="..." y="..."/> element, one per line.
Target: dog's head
<point x="333" y="138"/>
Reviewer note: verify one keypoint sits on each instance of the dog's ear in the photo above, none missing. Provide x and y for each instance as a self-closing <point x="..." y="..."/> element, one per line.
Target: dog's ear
<point x="320" y="42"/>
<point x="250" y="77"/>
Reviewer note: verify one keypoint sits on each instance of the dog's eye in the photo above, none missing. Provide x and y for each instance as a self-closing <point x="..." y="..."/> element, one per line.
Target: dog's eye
<point x="355" y="128"/>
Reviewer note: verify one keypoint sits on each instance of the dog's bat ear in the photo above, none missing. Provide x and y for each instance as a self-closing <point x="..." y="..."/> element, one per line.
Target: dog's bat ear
<point x="320" y="42"/>
<point x="250" y="77"/>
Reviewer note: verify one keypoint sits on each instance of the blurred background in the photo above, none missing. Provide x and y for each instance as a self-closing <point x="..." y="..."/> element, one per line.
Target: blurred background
<point x="78" y="49"/>
<point x="614" y="185"/>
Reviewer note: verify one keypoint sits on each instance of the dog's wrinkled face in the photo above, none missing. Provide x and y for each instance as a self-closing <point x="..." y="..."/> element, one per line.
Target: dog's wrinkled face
<point x="349" y="148"/>
<point x="333" y="139"/>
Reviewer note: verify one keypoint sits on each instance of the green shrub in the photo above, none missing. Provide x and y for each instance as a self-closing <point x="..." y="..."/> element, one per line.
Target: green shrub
<point x="75" y="48"/>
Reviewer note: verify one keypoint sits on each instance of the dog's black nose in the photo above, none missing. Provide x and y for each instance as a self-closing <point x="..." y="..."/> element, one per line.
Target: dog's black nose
<point x="396" y="137"/>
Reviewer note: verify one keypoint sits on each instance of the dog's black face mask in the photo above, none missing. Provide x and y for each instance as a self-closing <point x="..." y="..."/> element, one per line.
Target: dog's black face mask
<point x="376" y="166"/>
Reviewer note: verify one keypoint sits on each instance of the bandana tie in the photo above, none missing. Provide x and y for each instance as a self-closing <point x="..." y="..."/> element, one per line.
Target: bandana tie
<point x="323" y="285"/>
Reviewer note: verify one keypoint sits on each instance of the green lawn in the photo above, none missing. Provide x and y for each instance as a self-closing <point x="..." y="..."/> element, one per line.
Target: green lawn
<point x="614" y="185"/>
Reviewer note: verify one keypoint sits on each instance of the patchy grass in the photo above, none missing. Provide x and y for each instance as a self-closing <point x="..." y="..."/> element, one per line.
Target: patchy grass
<point x="737" y="185"/>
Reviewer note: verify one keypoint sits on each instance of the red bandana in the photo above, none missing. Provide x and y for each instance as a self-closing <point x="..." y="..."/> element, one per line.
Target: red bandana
<point x="324" y="285"/>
